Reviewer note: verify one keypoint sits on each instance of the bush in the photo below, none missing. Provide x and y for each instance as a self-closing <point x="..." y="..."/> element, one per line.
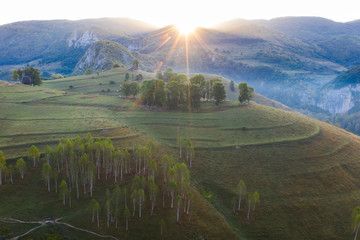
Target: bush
<point x="116" y="65"/>
<point x="112" y="82"/>
<point x="71" y="87"/>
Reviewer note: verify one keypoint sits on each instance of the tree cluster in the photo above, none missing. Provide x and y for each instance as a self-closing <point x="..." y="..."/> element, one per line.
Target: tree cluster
<point x="76" y="165"/>
<point x="8" y="171"/>
<point x="244" y="196"/>
<point x="246" y="93"/>
<point x="130" y="88"/>
<point x="178" y="91"/>
<point x="31" y="72"/>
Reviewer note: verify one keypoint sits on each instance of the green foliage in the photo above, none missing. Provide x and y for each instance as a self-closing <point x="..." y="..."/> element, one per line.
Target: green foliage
<point x="127" y="76"/>
<point x="232" y="86"/>
<point x="135" y="64"/>
<point x="88" y="71"/>
<point x="153" y="92"/>
<point x="168" y="73"/>
<point x="245" y="93"/>
<point x="195" y="95"/>
<point x="139" y="77"/>
<point x="125" y="89"/>
<point x="57" y="76"/>
<point x="134" y="88"/>
<point x="218" y="91"/>
<point x="15" y="75"/>
<point x="116" y="65"/>
<point x="34" y="75"/>
<point x="159" y="74"/>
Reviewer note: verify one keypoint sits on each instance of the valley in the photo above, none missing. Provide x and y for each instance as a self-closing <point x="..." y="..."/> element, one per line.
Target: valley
<point x="305" y="171"/>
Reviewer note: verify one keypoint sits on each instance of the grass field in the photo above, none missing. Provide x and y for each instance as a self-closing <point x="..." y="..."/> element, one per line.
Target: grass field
<point x="306" y="171"/>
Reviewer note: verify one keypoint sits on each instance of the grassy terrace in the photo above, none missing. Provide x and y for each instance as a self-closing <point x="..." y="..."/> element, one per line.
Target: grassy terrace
<point x="307" y="172"/>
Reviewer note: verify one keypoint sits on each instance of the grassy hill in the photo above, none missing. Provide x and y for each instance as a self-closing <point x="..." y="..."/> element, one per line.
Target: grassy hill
<point x="306" y="171"/>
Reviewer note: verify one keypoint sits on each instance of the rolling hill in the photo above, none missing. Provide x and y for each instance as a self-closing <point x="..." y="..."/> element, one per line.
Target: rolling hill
<point x="306" y="171"/>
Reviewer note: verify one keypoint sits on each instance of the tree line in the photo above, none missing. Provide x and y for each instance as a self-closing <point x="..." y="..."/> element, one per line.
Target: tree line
<point x="174" y="90"/>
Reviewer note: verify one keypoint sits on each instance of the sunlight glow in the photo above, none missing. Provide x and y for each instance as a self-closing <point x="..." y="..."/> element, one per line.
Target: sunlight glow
<point x="185" y="28"/>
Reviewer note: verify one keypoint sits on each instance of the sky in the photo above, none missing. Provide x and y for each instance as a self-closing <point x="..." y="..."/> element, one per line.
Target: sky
<point x="191" y="13"/>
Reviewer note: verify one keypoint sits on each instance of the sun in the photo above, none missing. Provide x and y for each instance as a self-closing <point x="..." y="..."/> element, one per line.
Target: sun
<point x="185" y="28"/>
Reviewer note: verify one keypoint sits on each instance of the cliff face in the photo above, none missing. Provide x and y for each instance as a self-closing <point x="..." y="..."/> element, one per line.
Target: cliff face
<point x="339" y="100"/>
<point x="101" y="55"/>
<point x="82" y="39"/>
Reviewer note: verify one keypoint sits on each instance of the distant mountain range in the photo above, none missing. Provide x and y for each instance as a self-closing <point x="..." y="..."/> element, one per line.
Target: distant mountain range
<point x="289" y="59"/>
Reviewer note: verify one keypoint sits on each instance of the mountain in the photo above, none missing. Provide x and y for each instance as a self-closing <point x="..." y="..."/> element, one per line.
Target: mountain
<point x="56" y="46"/>
<point x="287" y="59"/>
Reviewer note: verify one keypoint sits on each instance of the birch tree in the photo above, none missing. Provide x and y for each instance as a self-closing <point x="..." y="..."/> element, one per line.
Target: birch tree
<point x="134" y="197"/>
<point x="21" y="166"/>
<point x="2" y="166"/>
<point x="46" y="174"/>
<point x="33" y="154"/>
<point x="63" y="188"/>
<point x="10" y="170"/>
<point x="179" y="200"/>
<point x="126" y="216"/>
<point x="241" y="189"/>
<point x="256" y="198"/>
<point x="141" y="196"/>
<point x="356" y="221"/>
<point x="154" y="192"/>
<point x="250" y="201"/>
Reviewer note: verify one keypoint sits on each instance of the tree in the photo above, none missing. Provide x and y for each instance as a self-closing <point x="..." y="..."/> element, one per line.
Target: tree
<point x="108" y="209"/>
<point x="241" y="189"/>
<point x="162" y="226"/>
<point x="127" y="76"/>
<point x="34" y="75"/>
<point x="356" y="221"/>
<point x="245" y="93"/>
<point x="126" y="216"/>
<point x="135" y="65"/>
<point x="92" y="208"/>
<point x="153" y="92"/>
<point x="199" y="79"/>
<point x="10" y="171"/>
<point x="250" y="201"/>
<point x="232" y="86"/>
<point x="168" y="73"/>
<point x="33" y="154"/>
<point x="47" y="151"/>
<point x="256" y="198"/>
<point x="218" y="91"/>
<point x="159" y="74"/>
<point x="134" y="88"/>
<point x="20" y="73"/>
<point x="21" y="166"/>
<point x="195" y="95"/>
<point x="15" y="75"/>
<point x="63" y="188"/>
<point x="139" y="77"/>
<point x="2" y="165"/>
<point x="46" y="173"/>
<point x="134" y="197"/>
<point x="141" y="196"/>
<point x="154" y="191"/>
<point x="88" y="71"/>
<point x="125" y="89"/>
<point x="98" y="73"/>
<point x="179" y="200"/>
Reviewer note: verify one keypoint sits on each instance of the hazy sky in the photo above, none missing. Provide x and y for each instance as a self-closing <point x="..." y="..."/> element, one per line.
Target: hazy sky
<point x="185" y="12"/>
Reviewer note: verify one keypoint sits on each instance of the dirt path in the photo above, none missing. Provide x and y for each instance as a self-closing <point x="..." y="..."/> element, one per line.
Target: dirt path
<point x="46" y="222"/>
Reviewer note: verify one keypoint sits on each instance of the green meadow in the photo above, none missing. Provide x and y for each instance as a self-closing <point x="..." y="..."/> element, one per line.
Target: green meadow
<point x="306" y="171"/>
